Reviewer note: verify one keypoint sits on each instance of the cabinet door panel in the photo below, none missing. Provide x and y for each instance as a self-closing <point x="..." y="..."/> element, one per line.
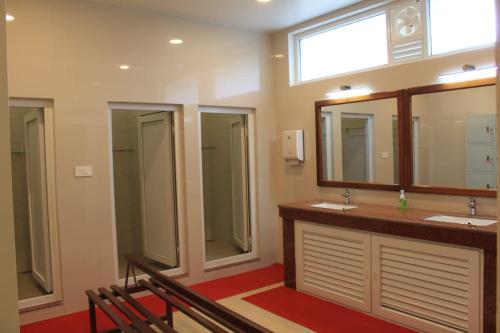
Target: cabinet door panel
<point x="431" y="287"/>
<point x="334" y="263"/>
<point x="482" y="180"/>
<point x="481" y="129"/>
<point x="480" y="158"/>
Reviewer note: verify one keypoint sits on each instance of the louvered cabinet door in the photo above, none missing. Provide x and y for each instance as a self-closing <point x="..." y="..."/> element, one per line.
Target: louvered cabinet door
<point x="334" y="263"/>
<point x="427" y="286"/>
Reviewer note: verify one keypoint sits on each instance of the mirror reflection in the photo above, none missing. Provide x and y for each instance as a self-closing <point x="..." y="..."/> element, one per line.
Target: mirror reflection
<point x="454" y="138"/>
<point x="359" y="142"/>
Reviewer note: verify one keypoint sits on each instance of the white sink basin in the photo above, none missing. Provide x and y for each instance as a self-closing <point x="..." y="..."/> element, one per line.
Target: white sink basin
<point x="461" y="220"/>
<point x="328" y="205"/>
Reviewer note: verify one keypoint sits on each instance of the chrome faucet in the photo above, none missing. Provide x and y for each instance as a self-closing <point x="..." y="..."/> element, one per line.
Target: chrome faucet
<point x="347" y="196"/>
<point x="472" y="207"/>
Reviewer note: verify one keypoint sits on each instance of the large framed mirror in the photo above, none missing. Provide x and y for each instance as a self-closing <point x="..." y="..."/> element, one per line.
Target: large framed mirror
<point x="358" y="142"/>
<point x="452" y="138"/>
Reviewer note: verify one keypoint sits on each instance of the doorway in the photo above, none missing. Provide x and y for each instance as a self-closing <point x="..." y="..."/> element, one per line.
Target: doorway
<point x="145" y="191"/>
<point x="226" y="192"/>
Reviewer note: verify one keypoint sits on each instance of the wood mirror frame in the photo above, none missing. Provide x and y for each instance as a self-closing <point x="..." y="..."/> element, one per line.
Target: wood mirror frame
<point x="398" y="95"/>
<point x="407" y="137"/>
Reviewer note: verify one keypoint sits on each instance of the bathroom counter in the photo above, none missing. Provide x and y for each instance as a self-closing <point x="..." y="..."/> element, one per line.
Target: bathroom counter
<point x="391" y="221"/>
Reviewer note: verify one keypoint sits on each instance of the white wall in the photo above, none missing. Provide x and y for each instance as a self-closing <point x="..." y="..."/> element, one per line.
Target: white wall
<point x="69" y="51"/>
<point x="9" y="318"/>
<point x="295" y="110"/>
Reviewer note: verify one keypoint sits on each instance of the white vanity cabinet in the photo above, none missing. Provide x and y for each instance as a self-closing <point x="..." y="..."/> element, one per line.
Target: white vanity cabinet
<point x="427" y="286"/>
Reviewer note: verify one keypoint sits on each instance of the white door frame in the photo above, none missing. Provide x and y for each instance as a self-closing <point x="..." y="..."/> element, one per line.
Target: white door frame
<point x="415" y="148"/>
<point x="178" y="119"/>
<point x="56" y="296"/>
<point x="252" y="188"/>
<point x="327" y="116"/>
<point x="370" y="161"/>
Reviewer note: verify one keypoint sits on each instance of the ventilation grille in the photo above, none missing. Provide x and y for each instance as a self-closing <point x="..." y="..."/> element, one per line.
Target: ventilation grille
<point x="408" y="51"/>
<point x="335" y="265"/>
<point x="430" y="287"/>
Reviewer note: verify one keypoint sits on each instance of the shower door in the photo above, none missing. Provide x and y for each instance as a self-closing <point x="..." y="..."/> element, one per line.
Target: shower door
<point x="239" y="184"/>
<point x="37" y="199"/>
<point x="157" y="187"/>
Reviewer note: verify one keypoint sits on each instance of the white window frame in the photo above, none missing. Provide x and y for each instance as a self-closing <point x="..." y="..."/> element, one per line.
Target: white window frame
<point x="356" y="15"/>
<point x="252" y="185"/>
<point x="56" y="297"/>
<point x="178" y="118"/>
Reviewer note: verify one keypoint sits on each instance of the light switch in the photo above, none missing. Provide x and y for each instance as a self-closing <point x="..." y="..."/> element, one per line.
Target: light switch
<point x="84" y="171"/>
<point x="385" y="155"/>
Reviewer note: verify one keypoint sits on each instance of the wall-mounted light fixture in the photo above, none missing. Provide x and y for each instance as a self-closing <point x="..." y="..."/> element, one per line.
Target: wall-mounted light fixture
<point x="348" y="91"/>
<point x="469" y="73"/>
<point x="176" y="41"/>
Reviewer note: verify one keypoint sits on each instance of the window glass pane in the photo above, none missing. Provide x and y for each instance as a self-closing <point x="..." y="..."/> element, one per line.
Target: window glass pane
<point x="345" y="49"/>
<point x="461" y="24"/>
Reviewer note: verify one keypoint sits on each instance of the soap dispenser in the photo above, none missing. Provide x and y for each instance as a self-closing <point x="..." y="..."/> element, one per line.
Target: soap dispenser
<point x="403" y="202"/>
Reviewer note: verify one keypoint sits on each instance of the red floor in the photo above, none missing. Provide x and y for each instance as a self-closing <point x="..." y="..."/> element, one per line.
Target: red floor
<point x="217" y="289"/>
<point x="319" y="315"/>
<point x="316" y="314"/>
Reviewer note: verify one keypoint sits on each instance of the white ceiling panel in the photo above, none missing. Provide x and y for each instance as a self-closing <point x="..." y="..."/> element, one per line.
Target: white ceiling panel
<point x="244" y="14"/>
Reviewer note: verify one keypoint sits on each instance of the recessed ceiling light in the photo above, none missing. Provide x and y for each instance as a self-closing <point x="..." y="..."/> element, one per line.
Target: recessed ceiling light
<point x="176" y="41"/>
<point x="263" y="0"/>
<point x="278" y="56"/>
<point x="9" y="17"/>
<point x="124" y="67"/>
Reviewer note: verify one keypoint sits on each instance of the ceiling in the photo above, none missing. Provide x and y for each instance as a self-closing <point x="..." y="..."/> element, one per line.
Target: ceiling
<point x="244" y="14"/>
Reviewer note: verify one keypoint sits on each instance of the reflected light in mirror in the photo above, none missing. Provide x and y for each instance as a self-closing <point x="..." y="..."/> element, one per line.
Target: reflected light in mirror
<point x="9" y="18"/>
<point x="349" y="93"/>
<point x="481" y="73"/>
